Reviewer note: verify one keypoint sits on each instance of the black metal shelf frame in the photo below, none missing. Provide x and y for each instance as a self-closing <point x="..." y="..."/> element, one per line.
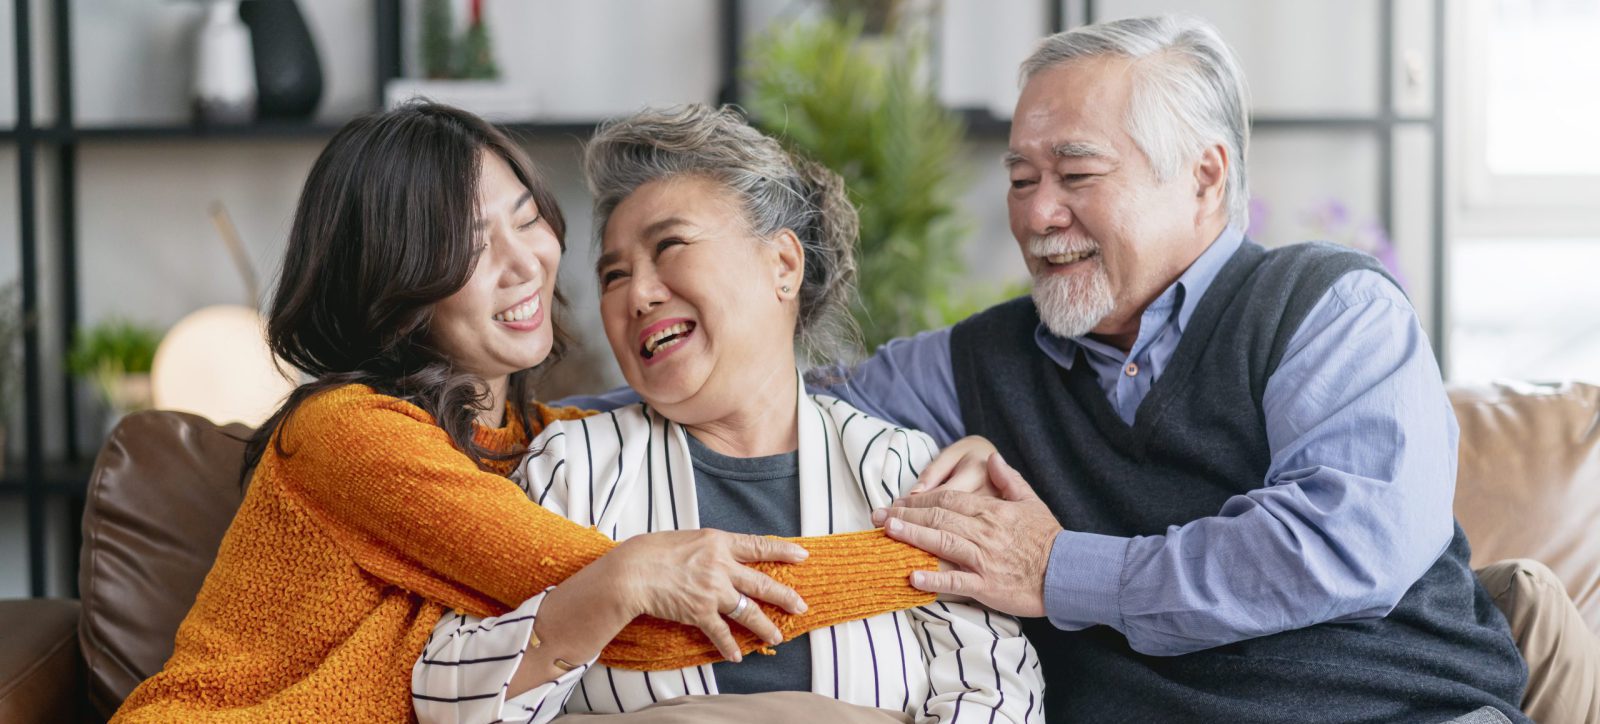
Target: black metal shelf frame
<point x="27" y="240"/>
<point x="40" y="479"/>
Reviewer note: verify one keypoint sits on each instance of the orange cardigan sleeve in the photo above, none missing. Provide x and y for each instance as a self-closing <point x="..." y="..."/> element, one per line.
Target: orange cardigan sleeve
<point x="387" y="486"/>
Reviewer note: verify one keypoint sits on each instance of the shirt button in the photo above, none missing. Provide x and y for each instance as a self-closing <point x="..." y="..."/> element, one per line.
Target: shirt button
<point x="1132" y="369"/>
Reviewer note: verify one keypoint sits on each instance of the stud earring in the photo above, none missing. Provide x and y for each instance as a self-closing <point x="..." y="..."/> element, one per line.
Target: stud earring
<point x="784" y="289"/>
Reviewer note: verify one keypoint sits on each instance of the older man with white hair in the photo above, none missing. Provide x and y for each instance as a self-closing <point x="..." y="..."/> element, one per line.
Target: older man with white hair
<point x="1241" y="461"/>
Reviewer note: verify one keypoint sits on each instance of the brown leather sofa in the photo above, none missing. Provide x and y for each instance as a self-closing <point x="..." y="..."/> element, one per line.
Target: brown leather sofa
<point x="166" y="485"/>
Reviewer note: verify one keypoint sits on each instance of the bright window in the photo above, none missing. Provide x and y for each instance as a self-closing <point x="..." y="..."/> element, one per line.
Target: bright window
<point x="1542" y="88"/>
<point x="1525" y="246"/>
<point x="1525" y="117"/>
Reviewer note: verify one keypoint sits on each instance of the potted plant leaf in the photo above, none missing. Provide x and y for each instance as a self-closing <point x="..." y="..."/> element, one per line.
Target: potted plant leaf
<point x="116" y="356"/>
<point x="850" y="90"/>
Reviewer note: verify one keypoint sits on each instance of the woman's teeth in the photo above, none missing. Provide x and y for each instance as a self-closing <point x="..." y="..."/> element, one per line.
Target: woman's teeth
<point x="664" y="338"/>
<point x="521" y="312"/>
<point x="1069" y="258"/>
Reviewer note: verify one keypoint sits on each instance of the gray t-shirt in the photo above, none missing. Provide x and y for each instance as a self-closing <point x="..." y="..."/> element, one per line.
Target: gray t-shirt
<point x="760" y="496"/>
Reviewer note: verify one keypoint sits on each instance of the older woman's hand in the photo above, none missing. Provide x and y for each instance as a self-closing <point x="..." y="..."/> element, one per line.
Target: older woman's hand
<point x="696" y="577"/>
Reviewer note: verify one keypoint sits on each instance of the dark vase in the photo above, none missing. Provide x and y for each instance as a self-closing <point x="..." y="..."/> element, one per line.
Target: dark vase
<point x="288" y="74"/>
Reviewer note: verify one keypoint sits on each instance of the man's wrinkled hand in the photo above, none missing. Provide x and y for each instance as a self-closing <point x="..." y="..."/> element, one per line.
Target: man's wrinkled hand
<point x="1000" y="547"/>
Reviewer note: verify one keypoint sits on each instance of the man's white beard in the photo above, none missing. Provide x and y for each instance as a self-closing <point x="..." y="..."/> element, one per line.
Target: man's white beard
<point x="1071" y="305"/>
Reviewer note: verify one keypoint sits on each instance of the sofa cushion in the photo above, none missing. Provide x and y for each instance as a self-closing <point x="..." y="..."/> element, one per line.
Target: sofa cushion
<point x="164" y="489"/>
<point x="41" y="673"/>
<point x="1529" y="483"/>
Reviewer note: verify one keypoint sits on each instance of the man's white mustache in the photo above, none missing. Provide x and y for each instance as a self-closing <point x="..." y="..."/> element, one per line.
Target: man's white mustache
<point x="1059" y="244"/>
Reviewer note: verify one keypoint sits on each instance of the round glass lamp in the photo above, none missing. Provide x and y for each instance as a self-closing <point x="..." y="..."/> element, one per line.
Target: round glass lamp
<point x="215" y="363"/>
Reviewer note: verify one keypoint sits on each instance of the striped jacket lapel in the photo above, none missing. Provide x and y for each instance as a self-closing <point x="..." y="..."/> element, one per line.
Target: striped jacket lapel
<point x="670" y="477"/>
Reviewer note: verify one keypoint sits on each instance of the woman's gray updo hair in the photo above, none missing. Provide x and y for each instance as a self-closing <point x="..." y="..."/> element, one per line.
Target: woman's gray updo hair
<point x="776" y="190"/>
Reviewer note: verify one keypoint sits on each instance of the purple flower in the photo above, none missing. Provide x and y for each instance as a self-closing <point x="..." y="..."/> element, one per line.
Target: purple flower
<point x="1260" y="212"/>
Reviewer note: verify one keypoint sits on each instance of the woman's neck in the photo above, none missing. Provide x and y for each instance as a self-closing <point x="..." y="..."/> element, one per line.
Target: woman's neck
<point x="495" y="416"/>
<point x="763" y="425"/>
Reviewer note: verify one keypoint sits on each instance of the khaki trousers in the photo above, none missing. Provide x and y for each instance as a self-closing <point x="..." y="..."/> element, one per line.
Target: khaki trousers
<point x="1563" y="655"/>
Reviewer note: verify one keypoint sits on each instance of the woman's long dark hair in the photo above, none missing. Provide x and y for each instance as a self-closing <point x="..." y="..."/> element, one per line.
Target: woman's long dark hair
<point x="382" y="233"/>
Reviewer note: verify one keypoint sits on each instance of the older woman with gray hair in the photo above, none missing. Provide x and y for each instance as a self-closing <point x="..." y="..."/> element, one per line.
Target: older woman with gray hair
<point x="724" y="261"/>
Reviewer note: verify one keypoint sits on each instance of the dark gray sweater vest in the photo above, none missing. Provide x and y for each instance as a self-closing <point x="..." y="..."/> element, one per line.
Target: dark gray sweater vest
<point x="1198" y="439"/>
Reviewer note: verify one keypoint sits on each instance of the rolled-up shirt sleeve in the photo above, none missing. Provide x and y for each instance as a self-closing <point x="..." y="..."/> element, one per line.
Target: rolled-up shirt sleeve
<point x="1356" y="505"/>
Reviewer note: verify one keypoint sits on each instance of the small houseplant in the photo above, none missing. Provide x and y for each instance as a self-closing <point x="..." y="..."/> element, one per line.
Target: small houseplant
<point x="861" y="104"/>
<point x="448" y="57"/>
<point x="116" y="356"/>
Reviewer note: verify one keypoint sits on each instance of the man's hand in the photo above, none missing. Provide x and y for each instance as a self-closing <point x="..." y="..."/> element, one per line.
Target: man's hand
<point x="1000" y="547"/>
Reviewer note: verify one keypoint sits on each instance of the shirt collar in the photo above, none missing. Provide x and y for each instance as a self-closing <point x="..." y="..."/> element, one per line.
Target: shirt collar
<point x="1184" y="295"/>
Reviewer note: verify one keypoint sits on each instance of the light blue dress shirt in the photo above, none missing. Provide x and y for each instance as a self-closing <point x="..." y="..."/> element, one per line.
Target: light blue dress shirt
<point x="1355" y="507"/>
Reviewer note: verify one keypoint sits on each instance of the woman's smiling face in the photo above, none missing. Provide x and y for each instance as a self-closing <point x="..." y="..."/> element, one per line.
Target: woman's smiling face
<point x="693" y="303"/>
<point x="499" y="322"/>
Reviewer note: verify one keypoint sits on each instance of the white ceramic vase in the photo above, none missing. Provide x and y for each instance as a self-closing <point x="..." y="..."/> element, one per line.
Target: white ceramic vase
<point x="224" y="89"/>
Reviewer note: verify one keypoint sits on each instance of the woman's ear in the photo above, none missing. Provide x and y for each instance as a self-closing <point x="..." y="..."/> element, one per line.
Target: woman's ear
<point x="789" y="264"/>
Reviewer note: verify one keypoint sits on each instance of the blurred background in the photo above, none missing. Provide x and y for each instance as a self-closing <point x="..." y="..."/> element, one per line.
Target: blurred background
<point x="151" y="153"/>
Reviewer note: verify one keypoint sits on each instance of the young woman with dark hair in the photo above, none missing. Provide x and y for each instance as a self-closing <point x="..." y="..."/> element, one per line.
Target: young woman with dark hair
<point x="418" y="293"/>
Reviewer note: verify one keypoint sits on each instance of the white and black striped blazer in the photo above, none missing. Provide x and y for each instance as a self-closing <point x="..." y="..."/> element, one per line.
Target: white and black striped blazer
<point x="628" y="472"/>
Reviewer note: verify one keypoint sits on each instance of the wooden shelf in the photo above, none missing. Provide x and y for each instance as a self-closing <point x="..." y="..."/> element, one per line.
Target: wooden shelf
<point x="180" y="132"/>
<point x="983" y="124"/>
<point x="980" y="124"/>
<point x="268" y="130"/>
<point x="544" y="130"/>
<point x="1333" y="123"/>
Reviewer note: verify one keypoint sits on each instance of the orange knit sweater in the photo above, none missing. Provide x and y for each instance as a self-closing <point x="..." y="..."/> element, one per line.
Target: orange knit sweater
<point x="348" y="548"/>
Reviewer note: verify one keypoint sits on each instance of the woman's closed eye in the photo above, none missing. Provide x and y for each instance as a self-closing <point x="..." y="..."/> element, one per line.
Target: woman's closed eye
<point x="668" y="243"/>
<point x="611" y="275"/>
<point x="526" y="225"/>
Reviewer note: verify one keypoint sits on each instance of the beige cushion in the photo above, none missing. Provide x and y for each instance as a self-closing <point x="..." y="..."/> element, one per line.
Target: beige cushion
<point x="1529" y="483"/>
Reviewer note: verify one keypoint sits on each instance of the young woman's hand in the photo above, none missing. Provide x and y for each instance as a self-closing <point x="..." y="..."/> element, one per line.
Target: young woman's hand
<point x="962" y="467"/>
<point x="696" y="577"/>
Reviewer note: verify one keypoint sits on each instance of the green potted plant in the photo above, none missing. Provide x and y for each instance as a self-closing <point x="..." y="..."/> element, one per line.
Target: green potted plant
<point x="116" y="355"/>
<point x="862" y="104"/>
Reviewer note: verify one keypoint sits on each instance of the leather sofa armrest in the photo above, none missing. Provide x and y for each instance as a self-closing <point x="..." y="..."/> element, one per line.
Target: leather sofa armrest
<point x="41" y="666"/>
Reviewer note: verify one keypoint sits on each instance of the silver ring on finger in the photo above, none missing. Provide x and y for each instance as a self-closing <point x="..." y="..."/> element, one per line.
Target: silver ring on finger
<point x="740" y="607"/>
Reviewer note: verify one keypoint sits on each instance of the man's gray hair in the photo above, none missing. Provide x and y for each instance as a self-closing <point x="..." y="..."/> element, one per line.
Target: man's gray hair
<point x="775" y="190"/>
<point x="1188" y="91"/>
